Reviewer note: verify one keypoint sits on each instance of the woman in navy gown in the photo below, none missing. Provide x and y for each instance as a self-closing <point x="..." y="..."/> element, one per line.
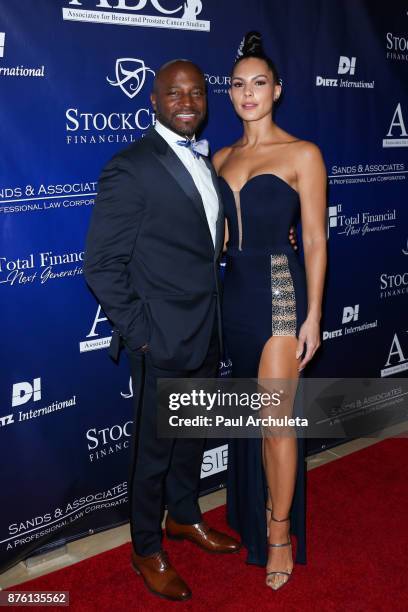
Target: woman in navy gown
<point x="269" y="181"/>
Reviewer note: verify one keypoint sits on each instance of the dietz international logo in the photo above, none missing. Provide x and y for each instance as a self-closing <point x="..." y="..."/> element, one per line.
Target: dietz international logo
<point x="397" y="134"/>
<point x="17" y="70"/>
<point x="346" y="65"/>
<point x="30" y="392"/>
<point x="350" y="316"/>
<point x="172" y="14"/>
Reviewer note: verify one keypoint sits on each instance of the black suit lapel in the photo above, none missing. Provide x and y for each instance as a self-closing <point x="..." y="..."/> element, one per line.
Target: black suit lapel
<point x="176" y="168"/>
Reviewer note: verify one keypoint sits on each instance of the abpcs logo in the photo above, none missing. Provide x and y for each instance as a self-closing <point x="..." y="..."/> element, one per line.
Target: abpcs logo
<point x="95" y="342"/>
<point x="397" y="360"/>
<point x="130" y="75"/>
<point x="397" y="134"/>
<point x="113" y="13"/>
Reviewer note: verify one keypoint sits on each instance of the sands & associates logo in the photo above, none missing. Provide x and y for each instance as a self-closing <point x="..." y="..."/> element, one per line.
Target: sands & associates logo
<point x="346" y="65"/>
<point x="83" y="127"/>
<point x="172" y="14"/>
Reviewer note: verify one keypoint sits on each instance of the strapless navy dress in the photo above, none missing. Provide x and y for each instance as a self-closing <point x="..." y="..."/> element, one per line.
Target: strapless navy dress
<point x="264" y="295"/>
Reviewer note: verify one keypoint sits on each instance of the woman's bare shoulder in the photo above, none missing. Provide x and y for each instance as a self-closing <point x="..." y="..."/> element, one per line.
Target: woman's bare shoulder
<point x="306" y="151"/>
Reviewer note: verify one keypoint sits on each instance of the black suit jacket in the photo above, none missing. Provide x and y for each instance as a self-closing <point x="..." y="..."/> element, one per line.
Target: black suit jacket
<point x="149" y="257"/>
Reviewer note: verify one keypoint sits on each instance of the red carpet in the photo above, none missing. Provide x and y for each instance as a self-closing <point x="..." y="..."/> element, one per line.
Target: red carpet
<point x="358" y="552"/>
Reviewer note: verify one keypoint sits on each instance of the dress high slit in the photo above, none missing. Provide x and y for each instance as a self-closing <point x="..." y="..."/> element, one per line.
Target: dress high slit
<point x="264" y="295"/>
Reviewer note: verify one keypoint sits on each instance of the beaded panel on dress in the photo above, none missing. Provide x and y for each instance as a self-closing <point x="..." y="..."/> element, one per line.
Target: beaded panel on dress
<point x="283" y="297"/>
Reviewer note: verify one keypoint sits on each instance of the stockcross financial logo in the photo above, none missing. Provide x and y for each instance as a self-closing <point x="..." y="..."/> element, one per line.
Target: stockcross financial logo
<point x="397" y="134"/>
<point x="359" y="223"/>
<point x="393" y="285"/>
<point x="346" y="65"/>
<point x="350" y="315"/>
<point x="397" y="360"/>
<point x="108" y="441"/>
<point x="172" y="14"/>
<point x="397" y="46"/>
<point x="83" y="127"/>
<point x="130" y="75"/>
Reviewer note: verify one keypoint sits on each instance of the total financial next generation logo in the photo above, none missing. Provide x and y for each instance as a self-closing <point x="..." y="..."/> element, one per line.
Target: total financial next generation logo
<point x="359" y="223"/>
<point x="116" y="127"/>
<point x="180" y="15"/>
<point x="347" y="65"/>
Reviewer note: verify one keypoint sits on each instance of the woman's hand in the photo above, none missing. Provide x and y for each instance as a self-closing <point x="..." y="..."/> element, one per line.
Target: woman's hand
<point x="309" y="335"/>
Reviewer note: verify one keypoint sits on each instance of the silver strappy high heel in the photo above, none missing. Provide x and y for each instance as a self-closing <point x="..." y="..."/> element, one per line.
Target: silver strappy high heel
<point x="275" y="587"/>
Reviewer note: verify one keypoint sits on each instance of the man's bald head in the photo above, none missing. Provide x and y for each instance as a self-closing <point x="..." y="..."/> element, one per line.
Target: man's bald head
<point x="172" y="65"/>
<point x="179" y="96"/>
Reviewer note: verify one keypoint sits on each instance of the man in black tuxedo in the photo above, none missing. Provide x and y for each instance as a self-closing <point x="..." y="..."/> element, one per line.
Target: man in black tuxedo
<point x="152" y="261"/>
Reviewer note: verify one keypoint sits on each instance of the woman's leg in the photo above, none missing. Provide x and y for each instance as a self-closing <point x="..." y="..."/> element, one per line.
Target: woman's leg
<point x="278" y="371"/>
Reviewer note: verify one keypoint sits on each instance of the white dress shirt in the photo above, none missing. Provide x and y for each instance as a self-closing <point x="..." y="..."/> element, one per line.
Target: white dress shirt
<point x="199" y="172"/>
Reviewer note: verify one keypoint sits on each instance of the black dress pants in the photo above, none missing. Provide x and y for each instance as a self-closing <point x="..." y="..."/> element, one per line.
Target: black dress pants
<point x="164" y="471"/>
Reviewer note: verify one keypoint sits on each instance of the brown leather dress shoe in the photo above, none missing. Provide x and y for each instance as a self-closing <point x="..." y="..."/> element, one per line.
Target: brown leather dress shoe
<point x="160" y="577"/>
<point x="202" y="535"/>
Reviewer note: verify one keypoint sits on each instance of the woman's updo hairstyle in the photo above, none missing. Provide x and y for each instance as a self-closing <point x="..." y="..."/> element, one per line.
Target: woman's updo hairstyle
<point x="252" y="46"/>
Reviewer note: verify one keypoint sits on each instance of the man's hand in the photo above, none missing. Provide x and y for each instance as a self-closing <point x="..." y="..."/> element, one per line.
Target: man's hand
<point x="293" y="238"/>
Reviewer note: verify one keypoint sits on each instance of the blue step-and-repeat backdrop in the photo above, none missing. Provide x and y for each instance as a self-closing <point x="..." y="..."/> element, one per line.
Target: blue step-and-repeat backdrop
<point x="75" y="78"/>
